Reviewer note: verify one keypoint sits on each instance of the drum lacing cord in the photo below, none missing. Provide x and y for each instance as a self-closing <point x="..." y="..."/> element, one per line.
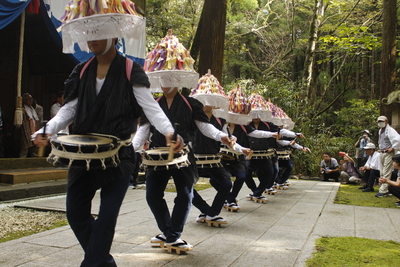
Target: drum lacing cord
<point x="267" y="155"/>
<point x="209" y="163"/>
<point x="284" y="154"/>
<point x="179" y="162"/>
<point x="112" y="153"/>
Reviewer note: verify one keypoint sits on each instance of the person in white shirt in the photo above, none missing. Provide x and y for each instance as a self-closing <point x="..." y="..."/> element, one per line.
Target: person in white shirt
<point x="56" y="107"/>
<point x="371" y="168"/>
<point x="58" y="104"/>
<point x="389" y="143"/>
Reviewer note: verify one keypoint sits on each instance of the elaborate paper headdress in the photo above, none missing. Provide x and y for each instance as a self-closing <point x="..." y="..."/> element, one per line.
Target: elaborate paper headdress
<point x="170" y="65"/>
<point x="211" y="93"/>
<point x="260" y="108"/>
<point x="88" y="20"/>
<point x="239" y="107"/>
<point x="280" y="118"/>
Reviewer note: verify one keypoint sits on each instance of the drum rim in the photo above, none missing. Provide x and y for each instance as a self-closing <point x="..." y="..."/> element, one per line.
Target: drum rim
<point x="56" y="141"/>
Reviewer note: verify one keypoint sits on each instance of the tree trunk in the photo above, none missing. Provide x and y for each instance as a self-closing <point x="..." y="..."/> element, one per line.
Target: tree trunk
<point x="357" y="79"/>
<point x="308" y="76"/>
<point x="365" y="78"/>
<point x="388" y="67"/>
<point x="141" y="4"/>
<point x="212" y="37"/>
<point x="373" y="74"/>
<point x="195" y="48"/>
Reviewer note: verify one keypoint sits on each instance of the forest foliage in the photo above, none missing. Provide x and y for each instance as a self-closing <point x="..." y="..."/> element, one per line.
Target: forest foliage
<point x="267" y="45"/>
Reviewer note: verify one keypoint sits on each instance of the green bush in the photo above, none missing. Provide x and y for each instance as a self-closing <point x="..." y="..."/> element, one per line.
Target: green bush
<point x="349" y="122"/>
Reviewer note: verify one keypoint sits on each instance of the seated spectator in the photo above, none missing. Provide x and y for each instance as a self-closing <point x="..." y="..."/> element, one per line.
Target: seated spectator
<point x="349" y="174"/>
<point x="329" y="168"/>
<point x="394" y="186"/>
<point x="371" y="168"/>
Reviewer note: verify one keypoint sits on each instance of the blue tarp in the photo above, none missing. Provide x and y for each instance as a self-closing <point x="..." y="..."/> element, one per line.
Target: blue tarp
<point x="10" y="10"/>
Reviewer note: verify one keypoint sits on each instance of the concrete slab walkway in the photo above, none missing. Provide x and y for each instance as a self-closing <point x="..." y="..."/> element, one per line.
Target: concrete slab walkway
<point x="279" y="233"/>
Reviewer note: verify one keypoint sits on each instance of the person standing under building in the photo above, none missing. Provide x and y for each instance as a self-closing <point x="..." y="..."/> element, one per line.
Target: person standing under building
<point x="58" y="104"/>
<point x="30" y="123"/>
<point x="56" y="107"/>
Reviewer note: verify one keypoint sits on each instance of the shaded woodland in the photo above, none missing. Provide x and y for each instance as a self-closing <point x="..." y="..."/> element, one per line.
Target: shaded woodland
<point x="328" y="64"/>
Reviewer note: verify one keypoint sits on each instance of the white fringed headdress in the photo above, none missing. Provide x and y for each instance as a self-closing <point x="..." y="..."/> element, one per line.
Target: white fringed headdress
<point x="89" y="20"/>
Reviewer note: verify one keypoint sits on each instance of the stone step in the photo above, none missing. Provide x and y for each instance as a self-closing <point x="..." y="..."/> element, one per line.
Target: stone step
<point x="32" y="175"/>
<point x="13" y="192"/>
<point x="7" y="164"/>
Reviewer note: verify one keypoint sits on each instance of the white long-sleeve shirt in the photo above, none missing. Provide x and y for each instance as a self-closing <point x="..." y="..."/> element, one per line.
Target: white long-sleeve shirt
<point x="150" y="107"/>
<point x="374" y="161"/>
<point x="205" y="128"/>
<point x="287" y="143"/>
<point x="390" y="138"/>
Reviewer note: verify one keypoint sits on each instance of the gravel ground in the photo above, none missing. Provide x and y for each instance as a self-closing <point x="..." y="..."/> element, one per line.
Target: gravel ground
<point x="14" y="220"/>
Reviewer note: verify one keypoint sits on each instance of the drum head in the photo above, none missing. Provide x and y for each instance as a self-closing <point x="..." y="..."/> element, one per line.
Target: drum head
<point x="84" y="140"/>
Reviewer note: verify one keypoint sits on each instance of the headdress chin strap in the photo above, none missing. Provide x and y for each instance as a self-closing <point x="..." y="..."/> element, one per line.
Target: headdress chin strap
<point x="108" y="46"/>
<point x="171" y="89"/>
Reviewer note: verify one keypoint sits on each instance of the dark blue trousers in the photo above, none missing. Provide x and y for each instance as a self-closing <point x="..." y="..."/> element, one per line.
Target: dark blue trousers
<point x="220" y="179"/>
<point x="286" y="167"/>
<point x="95" y="235"/>
<point x="238" y="169"/>
<point x="265" y="173"/>
<point x="171" y="225"/>
<point x="370" y="176"/>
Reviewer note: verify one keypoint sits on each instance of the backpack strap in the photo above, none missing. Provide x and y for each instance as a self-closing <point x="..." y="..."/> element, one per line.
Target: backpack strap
<point x="187" y="102"/>
<point x="218" y="120"/>
<point x="184" y="99"/>
<point x="85" y="67"/>
<point x="266" y="124"/>
<point x="243" y="128"/>
<point x="128" y="67"/>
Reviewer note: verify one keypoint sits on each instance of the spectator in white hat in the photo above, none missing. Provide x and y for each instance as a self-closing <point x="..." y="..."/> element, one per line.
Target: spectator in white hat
<point x="371" y="168"/>
<point x="389" y="142"/>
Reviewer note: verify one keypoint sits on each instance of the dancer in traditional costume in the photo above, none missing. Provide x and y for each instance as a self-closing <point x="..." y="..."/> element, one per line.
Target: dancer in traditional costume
<point x="187" y="113"/>
<point x="104" y="95"/>
<point x="264" y="163"/>
<point x="211" y="94"/>
<point x="238" y="118"/>
<point x="284" y="154"/>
